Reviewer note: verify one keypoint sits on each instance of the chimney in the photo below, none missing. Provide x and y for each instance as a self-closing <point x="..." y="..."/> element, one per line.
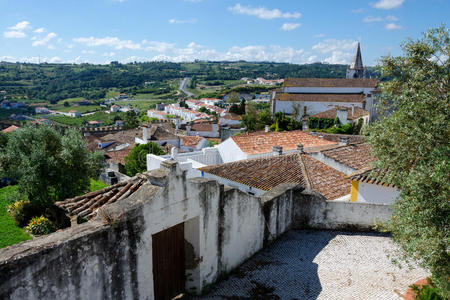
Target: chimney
<point x="342" y="114"/>
<point x="353" y="110"/>
<point x="343" y="141"/>
<point x="267" y="128"/>
<point x="300" y="149"/>
<point x="277" y="150"/>
<point x="173" y="153"/>
<point x="145" y="133"/>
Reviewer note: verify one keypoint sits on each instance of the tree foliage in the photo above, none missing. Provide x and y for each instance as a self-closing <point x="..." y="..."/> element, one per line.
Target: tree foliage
<point x="136" y="161"/>
<point x="49" y="166"/>
<point x="412" y="144"/>
<point x="131" y="120"/>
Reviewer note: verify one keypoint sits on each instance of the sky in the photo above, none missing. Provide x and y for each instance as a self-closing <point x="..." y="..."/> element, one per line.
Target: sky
<point x="293" y="31"/>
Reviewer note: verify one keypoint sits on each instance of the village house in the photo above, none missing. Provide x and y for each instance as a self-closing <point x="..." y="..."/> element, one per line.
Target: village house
<point x="10" y="129"/>
<point x="115" y="108"/>
<point x="203" y="129"/>
<point x="259" y="175"/>
<point x="260" y="143"/>
<point x="346" y="115"/>
<point x="193" y="143"/>
<point x="368" y="187"/>
<point x="158" y="135"/>
<point x="230" y="119"/>
<point x="187" y="114"/>
<point x="74" y="114"/>
<point x="160" y="115"/>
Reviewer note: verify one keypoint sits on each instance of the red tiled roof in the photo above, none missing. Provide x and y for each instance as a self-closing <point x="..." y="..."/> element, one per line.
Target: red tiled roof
<point x="191" y="141"/>
<point x="119" y="155"/>
<point x="262" y="142"/>
<point x="320" y="97"/>
<point x="268" y="172"/>
<point x="330" y="82"/>
<point x="202" y="127"/>
<point x="358" y="112"/>
<point x="10" y="129"/>
<point x="369" y="175"/>
<point x="86" y="206"/>
<point x="356" y="156"/>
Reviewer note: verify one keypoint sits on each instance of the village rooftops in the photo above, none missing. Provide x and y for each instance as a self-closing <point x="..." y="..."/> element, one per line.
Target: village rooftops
<point x="317" y="97"/>
<point x="352" y="113"/>
<point x="86" y="206"/>
<point x="268" y="172"/>
<point x="356" y="156"/>
<point x="331" y="82"/>
<point x="260" y="142"/>
<point x="232" y="116"/>
<point x="191" y="141"/>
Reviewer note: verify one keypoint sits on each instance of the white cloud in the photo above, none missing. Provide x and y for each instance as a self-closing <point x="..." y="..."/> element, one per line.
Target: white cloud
<point x="108" y="54"/>
<point x="14" y="34"/>
<point x="392" y="26"/>
<point x="17" y="31"/>
<point x="51" y="47"/>
<point x="330" y="45"/>
<point x="387" y="4"/>
<point x="39" y="30"/>
<point x="290" y="26"/>
<point x="319" y="35"/>
<point x="370" y="19"/>
<point x="88" y="51"/>
<point x="263" y="12"/>
<point x="44" y="41"/>
<point x="178" y="21"/>
<point x="24" y="25"/>
<point x="108" y="41"/>
<point x="391" y="18"/>
<point x="339" y="57"/>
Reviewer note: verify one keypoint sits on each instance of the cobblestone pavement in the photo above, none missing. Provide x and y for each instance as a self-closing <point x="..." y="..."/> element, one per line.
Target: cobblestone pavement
<point x="305" y="264"/>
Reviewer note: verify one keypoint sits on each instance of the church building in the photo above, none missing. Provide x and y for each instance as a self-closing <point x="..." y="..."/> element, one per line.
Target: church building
<point x="301" y="97"/>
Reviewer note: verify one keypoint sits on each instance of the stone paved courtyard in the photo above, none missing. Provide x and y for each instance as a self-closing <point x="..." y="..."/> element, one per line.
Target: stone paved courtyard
<point x="305" y="264"/>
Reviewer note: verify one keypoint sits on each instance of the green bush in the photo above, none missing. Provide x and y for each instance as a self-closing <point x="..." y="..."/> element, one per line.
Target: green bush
<point x="40" y="225"/>
<point x="22" y="211"/>
<point x="426" y="292"/>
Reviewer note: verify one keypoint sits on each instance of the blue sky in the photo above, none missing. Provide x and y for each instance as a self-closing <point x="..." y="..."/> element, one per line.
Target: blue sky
<point x="295" y="31"/>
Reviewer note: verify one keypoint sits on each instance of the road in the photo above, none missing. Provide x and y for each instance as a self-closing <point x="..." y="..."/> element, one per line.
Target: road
<point x="183" y="85"/>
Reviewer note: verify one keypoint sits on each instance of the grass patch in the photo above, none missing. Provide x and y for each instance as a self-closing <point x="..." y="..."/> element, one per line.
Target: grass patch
<point x="96" y="185"/>
<point x="10" y="234"/>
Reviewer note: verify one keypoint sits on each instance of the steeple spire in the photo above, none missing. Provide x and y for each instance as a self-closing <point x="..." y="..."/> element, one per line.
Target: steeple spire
<point x="357" y="59"/>
<point x="356" y="69"/>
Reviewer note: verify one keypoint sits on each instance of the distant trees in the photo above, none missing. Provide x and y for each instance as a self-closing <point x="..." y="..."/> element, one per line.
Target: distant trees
<point x="412" y="146"/>
<point x="136" y="161"/>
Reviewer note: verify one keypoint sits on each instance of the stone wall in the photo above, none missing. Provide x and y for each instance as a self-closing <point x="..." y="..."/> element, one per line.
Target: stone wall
<point x="312" y="210"/>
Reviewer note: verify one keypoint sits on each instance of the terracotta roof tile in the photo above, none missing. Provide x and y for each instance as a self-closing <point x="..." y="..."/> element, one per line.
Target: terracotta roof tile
<point x="10" y="129"/>
<point x="232" y="116"/>
<point x="191" y="141"/>
<point x="202" y="127"/>
<point x="330" y="82"/>
<point x="262" y="142"/>
<point x="268" y="172"/>
<point x="124" y="136"/>
<point x="356" y="156"/>
<point x="86" y="206"/>
<point x="369" y="175"/>
<point x="320" y="97"/>
<point x="119" y="155"/>
<point x="352" y="114"/>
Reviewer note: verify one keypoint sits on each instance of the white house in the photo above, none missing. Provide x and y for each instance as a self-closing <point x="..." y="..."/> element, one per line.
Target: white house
<point x="193" y="143"/>
<point x="41" y="110"/>
<point x="230" y="119"/>
<point x="160" y="115"/>
<point x="74" y="114"/>
<point x="368" y="187"/>
<point x="115" y="108"/>
<point x="257" y="144"/>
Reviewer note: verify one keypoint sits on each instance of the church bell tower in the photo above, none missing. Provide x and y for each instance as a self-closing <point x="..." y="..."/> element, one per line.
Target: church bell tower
<point x="356" y="69"/>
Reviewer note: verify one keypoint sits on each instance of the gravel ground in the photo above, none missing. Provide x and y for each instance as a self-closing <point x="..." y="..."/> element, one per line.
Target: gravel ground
<point x="305" y="264"/>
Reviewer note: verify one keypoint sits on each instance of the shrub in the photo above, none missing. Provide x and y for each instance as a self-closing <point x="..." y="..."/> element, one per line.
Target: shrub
<point x="426" y="292"/>
<point x="40" y="225"/>
<point x="22" y="211"/>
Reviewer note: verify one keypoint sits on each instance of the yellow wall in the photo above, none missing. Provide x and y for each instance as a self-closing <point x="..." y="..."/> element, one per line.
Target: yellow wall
<point x="354" y="191"/>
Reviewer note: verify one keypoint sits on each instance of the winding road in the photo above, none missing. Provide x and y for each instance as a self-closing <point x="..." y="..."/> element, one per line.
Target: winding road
<point x="183" y="85"/>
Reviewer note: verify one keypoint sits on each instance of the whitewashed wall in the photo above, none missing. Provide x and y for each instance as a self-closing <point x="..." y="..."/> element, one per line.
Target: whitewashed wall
<point x="372" y="193"/>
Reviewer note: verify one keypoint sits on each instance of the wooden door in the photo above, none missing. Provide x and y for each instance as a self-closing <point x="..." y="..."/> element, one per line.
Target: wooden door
<point x="169" y="262"/>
